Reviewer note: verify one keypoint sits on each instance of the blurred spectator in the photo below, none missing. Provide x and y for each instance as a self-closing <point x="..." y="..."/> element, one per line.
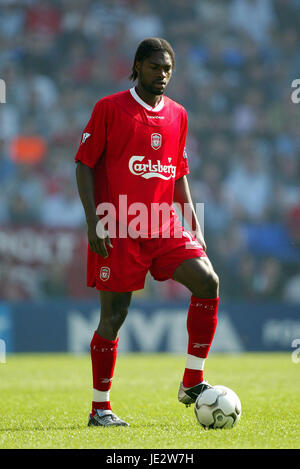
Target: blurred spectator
<point x="43" y="18"/>
<point x="210" y="192"/>
<point x="9" y="122"/>
<point x="286" y="185"/>
<point x="246" y="114"/>
<point x="244" y="279"/>
<point x="7" y="167"/>
<point x="248" y="189"/>
<point x="54" y="282"/>
<point x="254" y="17"/>
<point x="12" y="20"/>
<point x="268" y="281"/>
<point x="287" y="12"/>
<point x="143" y="22"/>
<point x="63" y="209"/>
<point x="20" y="212"/>
<point x="26" y="193"/>
<point x="291" y="291"/>
<point x="103" y="19"/>
<point x="293" y="223"/>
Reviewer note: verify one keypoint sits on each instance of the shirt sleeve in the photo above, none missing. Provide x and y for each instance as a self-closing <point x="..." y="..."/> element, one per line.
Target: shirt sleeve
<point x="182" y="163"/>
<point x="93" y="138"/>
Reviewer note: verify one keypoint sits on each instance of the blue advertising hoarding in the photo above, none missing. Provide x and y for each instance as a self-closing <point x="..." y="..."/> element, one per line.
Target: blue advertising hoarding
<point x="67" y="326"/>
<point x="6" y="345"/>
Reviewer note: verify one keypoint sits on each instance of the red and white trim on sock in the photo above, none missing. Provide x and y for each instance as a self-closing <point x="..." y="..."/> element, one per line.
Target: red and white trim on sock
<point x="103" y="356"/>
<point x="201" y="327"/>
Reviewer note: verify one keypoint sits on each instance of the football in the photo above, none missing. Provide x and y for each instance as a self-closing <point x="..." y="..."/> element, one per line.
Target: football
<point x="218" y="407"/>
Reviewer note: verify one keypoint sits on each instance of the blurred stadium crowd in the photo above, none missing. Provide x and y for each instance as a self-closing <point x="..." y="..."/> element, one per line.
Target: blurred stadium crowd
<point x="235" y="62"/>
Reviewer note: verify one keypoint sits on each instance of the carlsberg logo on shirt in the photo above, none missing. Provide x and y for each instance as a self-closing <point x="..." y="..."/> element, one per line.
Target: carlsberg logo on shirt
<point x="147" y="169"/>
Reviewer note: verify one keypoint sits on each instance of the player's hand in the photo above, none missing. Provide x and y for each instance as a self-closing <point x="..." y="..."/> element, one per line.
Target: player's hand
<point x="98" y="238"/>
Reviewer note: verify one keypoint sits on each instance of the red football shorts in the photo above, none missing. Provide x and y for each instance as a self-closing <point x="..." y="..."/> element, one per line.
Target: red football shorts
<point x="129" y="260"/>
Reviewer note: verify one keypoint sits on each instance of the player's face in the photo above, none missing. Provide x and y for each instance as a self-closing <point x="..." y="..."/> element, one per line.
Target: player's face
<point x="154" y="73"/>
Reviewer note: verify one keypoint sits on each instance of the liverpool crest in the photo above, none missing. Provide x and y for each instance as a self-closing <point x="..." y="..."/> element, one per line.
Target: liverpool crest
<point x="156" y="141"/>
<point x="104" y="273"/>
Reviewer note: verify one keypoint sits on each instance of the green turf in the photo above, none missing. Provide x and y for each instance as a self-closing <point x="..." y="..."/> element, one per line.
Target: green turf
<point x="45" y="401"/>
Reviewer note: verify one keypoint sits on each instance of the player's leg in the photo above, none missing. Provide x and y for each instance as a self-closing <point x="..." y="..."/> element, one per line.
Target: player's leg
<point x="198" y="275"/>
<point x="114" y="309"/>
<point x="104" y="344"/>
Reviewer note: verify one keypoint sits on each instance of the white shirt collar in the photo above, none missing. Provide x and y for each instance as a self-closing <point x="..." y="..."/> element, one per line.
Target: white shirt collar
<point x="157" y="108"/>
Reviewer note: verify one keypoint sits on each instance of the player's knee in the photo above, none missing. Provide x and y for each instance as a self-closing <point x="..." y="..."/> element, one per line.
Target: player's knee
<point x="214" y="279"/>
<point x="215" y="282"/>
<point x="212" y="283"/>
<point x="208" y="285"/>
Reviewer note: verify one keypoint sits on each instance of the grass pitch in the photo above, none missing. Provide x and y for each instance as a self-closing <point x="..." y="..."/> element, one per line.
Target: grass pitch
<point x="45" y="402"/>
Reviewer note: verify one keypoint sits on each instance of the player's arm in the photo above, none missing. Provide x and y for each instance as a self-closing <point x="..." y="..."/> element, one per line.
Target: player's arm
<point x="85" y="184"/>
<point x="182" y="196"/>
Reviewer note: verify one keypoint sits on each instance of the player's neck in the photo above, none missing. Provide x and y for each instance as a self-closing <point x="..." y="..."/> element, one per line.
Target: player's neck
<point x="152" y="99"/>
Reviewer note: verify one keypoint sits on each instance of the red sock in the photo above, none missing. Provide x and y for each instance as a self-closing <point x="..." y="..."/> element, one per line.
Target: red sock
<point x="201" y="327"/>
<point x="100" y="405"/>
<point x="103" y="355"/>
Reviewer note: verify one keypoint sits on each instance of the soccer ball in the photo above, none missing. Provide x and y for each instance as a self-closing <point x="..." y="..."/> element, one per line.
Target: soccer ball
<point x="218" y="407"/>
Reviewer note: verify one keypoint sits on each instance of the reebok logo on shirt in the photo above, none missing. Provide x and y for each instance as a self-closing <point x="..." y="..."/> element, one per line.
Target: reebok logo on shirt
<point x="85" y="136"/>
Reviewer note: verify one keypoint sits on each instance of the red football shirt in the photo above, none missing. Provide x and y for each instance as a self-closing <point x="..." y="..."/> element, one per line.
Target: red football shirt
<point x="137" y="152"/>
